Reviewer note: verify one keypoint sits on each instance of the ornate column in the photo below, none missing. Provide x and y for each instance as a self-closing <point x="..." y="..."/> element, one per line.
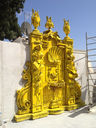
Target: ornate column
<point x="72" y="87"/>
<point x="37" y="69"/>
<point x="30" y="97"/>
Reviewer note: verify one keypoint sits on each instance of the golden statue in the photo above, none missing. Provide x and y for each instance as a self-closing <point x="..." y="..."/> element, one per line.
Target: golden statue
<point x="66" y="27"/>
<point x="35" y="19"/>
<point x="50" y="86"/>
<point x="49" y="24"/>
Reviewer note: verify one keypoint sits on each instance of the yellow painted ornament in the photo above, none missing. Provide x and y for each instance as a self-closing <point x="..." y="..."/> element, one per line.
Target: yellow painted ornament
<point x="51" y="87"/>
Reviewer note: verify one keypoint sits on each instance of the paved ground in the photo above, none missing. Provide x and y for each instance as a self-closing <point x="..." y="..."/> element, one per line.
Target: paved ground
<point x="75" y="119"/>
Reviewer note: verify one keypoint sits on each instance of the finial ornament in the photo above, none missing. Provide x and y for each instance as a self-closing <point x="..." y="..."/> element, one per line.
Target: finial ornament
<point x="35" y="19"/>
<point x="66" y="27"/>
<point x="49" y="24"/>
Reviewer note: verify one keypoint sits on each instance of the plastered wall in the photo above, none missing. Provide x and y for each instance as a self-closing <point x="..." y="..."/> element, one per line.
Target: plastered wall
<point x="12" y="59"/>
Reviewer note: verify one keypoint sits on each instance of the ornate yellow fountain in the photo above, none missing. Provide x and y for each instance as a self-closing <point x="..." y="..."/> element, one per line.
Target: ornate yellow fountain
<point x="51" y="87"/>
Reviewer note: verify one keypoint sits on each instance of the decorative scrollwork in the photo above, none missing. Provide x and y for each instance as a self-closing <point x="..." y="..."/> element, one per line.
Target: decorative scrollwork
<point x="23" y="95"/>
<point x="27" y="73"/>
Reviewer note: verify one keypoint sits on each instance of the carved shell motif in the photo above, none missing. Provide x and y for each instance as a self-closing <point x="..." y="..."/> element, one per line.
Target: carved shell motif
<point x="55" y="54"/>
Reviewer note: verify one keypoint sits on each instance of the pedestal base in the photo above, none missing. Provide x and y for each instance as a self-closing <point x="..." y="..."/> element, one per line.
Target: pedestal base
<point x="71" y="107"/>
<point x="19" y="118"/>
<point x="33" y="116"/>
<point x="52" y="111"/>
<point x="39" y="114"/>
<point x="56" y="111"/>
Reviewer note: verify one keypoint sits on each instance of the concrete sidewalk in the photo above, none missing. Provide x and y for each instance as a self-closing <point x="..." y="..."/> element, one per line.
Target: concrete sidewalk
<point x="66" y="120"/>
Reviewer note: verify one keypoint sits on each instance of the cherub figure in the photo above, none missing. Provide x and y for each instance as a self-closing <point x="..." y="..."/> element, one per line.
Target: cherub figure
<point x="66" y="27"/>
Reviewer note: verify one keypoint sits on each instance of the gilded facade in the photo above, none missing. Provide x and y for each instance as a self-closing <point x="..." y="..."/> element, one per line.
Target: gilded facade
<point x="51" y="87"/>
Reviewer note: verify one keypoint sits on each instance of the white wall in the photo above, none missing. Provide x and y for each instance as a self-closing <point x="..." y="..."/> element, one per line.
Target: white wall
<point x="80" y="64"/>
<point x="12" y="60"/>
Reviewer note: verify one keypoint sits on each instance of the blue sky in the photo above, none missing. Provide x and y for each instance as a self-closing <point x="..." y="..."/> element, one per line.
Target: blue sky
<point x="81" y="15"/>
